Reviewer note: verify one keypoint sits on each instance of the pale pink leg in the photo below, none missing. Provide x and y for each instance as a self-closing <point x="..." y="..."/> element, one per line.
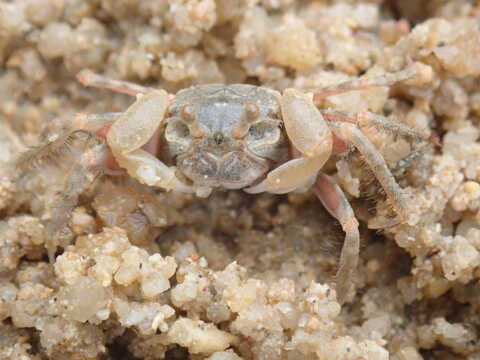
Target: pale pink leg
<point x="89" y="78"/>
<point x="367" y="119"/>
<point x="334" y="200"/>
<point x="95" y="122"/>
<point x="387" y="79"/>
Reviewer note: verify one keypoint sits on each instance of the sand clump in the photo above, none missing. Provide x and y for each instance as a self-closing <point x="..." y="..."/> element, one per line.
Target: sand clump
<point x="143" y="274"/>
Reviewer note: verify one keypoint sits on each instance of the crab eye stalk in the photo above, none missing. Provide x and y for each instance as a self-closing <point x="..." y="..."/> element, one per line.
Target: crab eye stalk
<point x="189" y="115"/>
<point x="250" y="114"/>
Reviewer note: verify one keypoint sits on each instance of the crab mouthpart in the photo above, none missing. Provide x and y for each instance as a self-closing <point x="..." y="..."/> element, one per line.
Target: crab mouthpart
<point x="233" y="170"/>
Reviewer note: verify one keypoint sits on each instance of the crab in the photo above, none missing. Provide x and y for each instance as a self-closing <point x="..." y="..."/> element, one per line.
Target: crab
<point x="236" y="136"/>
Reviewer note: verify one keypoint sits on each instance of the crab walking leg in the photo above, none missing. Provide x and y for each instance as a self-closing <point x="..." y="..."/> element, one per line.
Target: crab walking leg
<point x="309" y="134"/>
<point x="59" y="141"/>
<point x="134" y="129"/>
<point x="334" y="200"/>
<point x="95" y="122"/>
<point x="89" y="78"/>
<point x="366" y="118"/>
<point x="403" y="164"/>
<point x="387" y="79"/>
<point x="48" y="151"/>
<point x="83" y="173"/>
<point x="351" y="134"/>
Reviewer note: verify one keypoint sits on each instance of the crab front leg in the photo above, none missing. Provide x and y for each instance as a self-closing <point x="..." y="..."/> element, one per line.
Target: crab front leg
<point x="334" y="200"/>
<point x="132" y="131"/>
<point x="135" y="128"/>
<point x="309" y="134"/>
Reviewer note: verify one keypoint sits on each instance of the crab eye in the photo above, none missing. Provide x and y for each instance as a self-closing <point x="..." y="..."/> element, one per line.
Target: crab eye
<point x="255" y="133"/>
<point x="177" y="132"/>
<point x="263" y="132"/>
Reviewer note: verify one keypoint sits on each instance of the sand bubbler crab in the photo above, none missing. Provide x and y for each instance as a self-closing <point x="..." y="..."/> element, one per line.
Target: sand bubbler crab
<point x="233" y="137"/>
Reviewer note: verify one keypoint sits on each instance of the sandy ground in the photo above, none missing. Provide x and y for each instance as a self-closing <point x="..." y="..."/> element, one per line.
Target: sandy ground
<point x="144" y="274"/>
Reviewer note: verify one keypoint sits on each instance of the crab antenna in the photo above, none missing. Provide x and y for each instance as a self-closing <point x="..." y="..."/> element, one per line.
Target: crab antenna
<point x="190" y="116"/>
<point x="251" y="113"/>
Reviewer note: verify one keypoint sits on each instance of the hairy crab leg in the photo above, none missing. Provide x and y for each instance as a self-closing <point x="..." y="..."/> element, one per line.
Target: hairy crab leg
<point x="334" y="200"/>
<point x="398" y="170"/>
<point x="59" y="140"/>
<point x="351" y="134"/>
<point x="86" y="168"/>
